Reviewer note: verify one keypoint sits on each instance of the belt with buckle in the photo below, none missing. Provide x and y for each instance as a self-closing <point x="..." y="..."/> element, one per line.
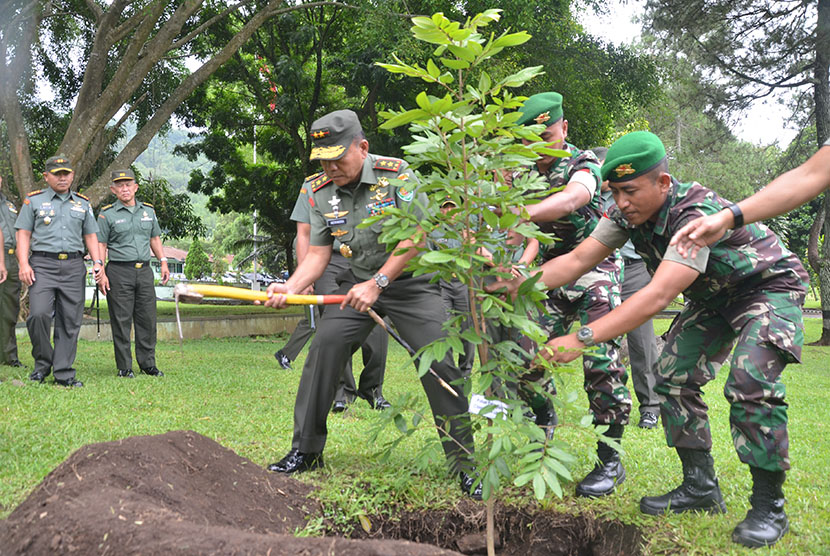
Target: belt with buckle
<point x="134" y="264"/>
<point x="59" y="256"/>
<point x="11" y="251"/>
<point x="629" y="260"/>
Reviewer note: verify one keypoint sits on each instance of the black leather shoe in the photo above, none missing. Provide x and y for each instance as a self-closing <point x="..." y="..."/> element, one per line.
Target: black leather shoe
<point x="69" y="383"/>
<point x="152" y="371"/>
<point x="380" y="403"/>
<point x="648" y="420"/>
<point x="339" y="406"/>
<point x="37" y="376"/>
<point x="603" y="479"/>
<point x="126" y="373"/>
<point x="467" y="482"/>
<point x="296" y="461"/>
<point x="283" y="360"/>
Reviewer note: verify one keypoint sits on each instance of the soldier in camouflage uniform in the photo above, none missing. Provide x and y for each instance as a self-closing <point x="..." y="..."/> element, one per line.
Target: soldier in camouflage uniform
<point x="355" y="185"/>
<point x="570" y="215"/>
<point x="746" y="290"/>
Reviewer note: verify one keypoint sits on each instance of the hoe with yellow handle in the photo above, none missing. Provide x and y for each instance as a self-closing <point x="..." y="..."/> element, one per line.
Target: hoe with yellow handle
<point x="194" y="293"/>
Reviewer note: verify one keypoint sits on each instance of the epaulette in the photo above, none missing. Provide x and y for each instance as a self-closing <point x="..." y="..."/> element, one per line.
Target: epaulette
<point x="391" y="164"/>
<point x="82" y="196"/>
<point x="146" y="204"/>
<point x="106" y="207"/>
<point x="319" y="182"/>
<point x="35" y="192"/>
<point x="313" y="176"/>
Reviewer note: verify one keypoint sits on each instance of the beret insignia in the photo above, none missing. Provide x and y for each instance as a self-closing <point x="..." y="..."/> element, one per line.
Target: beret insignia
<point x="624" y="170"/>
<point x="392" y="164"/>
<point x="542" y="118"/>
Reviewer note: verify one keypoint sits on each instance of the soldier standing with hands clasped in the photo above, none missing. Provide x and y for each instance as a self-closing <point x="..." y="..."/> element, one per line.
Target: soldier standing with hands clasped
<point x="128" y="230"/>
<point x="56" y="223"/>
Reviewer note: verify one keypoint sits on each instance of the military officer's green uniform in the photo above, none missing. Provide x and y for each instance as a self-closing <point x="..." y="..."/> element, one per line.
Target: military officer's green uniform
<point x="412" y="303"/>
<point x="132" y="296"/>
<point x="10" y="289"/>
<point x="58" y="223"/>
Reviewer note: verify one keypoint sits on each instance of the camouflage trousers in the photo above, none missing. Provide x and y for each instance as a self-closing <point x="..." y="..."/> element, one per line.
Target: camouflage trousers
<point x="768" y="332"/>
<point x="594" y="295"/>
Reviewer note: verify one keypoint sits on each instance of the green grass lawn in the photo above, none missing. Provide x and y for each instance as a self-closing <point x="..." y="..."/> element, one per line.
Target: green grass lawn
<point x="233" y="391"/>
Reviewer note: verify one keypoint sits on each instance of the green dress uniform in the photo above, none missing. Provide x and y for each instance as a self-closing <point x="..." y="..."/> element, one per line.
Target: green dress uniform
<point x="10" y="289"/>
<point x="58" y="222"/>
<point x="374" y="348"/>
<point x="412" y="303"/>
<point x="132" y="297"/>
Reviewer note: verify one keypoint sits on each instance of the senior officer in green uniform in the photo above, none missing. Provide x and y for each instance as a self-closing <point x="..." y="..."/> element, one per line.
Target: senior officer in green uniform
<point x="355" y="185"/>
<point x="128" y="229"/>
<point x="56" y="223"/>
<point x="745" y="290"/>
<point x="570" y="214"/>
<point x="10" y="289"/>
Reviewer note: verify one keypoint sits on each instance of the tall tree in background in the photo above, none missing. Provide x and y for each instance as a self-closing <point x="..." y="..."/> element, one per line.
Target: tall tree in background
<point x="756" y="48"/>
<point x="106" y="62"/>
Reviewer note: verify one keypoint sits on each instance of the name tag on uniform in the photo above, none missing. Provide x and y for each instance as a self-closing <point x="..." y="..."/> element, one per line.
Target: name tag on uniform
<point x="335" y="222"/>
<point x="77" y="208"/>
<point x="120" y="221"/>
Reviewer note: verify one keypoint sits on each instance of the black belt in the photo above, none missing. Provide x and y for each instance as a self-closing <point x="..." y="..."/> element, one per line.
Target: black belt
<point x="59" y="256"/>
<point x="628" y="260"/>
<point x="134" y="264"/>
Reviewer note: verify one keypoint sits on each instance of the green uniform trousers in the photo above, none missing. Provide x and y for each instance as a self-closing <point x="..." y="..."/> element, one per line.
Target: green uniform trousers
<point x="132" y="299"/>
<point x="414" y="306"/>
<point x="58" y="292"/>
<point x="9" y="309"/>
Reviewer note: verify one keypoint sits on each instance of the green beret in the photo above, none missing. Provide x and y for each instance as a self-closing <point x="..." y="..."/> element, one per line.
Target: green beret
<point x="633" y="155"/>
<point x="544" y="108"/>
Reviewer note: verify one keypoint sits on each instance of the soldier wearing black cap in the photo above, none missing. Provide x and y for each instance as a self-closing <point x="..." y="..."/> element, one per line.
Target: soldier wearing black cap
<point x="354" y="185"/>
<point x="128" y="230"/>
<point x="10" y="288"/>
<point x="56" y="223"/>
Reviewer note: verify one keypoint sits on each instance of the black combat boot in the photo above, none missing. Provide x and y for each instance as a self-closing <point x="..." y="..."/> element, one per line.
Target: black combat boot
<point x="608" y="473"/>
<point x="546" y="419"/>
<point x="765" y="522"/>
<point x="699" y="490"/>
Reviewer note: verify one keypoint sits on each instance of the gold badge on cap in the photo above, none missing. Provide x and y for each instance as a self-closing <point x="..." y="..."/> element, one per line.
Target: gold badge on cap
<point x="346" y="251"/>
<point x="624" y="170"/>
<point x="542" y="118"/>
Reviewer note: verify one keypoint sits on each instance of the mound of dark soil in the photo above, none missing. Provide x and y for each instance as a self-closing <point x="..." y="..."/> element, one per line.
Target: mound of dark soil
<point x="176" y="493"/>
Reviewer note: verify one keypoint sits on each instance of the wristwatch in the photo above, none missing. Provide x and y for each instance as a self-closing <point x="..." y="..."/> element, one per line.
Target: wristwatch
<point x="585" y="335"/>
<point x="382" y="280"/>
<point x="163" y="260"/>
<point x="99" y="261"/>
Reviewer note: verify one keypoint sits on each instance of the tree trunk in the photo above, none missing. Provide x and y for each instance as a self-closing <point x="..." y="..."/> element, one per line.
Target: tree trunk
<point x="822" y="102"/>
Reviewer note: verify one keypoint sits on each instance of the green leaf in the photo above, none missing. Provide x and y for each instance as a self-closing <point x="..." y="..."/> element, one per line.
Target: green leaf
<point x="462" y="53"/>
<point x="403" y="119"/>
<point x="400" y="422"/>
<point x="539" y="487"/>
<point x="437" y="257"/>
<point x="484" y="82"/>
<point x="513" y="39"/>
<point x="432" y="69"/>
<point x="455" y="64"/>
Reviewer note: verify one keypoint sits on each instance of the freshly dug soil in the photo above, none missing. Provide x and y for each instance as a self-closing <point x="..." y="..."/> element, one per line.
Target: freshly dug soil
<point x="182" y="493"/>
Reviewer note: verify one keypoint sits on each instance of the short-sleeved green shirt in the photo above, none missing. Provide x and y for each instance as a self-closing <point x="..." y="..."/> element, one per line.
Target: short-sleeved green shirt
<point x="127" y="230"/>
<point x="335" y="212"/>
<point x="58" y="222"/>
<point x="8" y="216"/>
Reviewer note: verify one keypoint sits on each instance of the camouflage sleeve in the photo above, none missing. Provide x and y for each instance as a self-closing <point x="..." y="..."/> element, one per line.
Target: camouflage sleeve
<point x="609" y="233"/>
<point x="698" y="262"/>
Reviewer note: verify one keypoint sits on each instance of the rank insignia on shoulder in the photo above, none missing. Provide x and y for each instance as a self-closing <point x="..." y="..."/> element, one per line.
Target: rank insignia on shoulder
<point x="106" y="207"/>
<point x="82" y="196"/>
<point x="319" y="182"/>
<point x="146" y="204"/>
<point x="35" y="192"/>
<point x="405" y="194"/>
<point x="391" y="164"/>
<point x="312" y="176"/>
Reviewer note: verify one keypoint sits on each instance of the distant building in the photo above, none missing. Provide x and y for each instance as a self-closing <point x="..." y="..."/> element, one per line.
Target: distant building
<point x="175" y="261"/>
